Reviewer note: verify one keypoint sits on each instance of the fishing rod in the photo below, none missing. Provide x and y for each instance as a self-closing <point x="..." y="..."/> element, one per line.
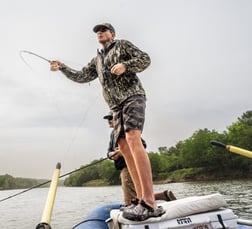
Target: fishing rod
<point x="34" y="54"/>
<point x="232" y="149"/>
<point x="46" y="182"/>
<point x="47" y="213"/>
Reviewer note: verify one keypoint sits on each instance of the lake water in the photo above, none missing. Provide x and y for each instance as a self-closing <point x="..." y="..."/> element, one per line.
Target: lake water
<point x="72" y="204"/>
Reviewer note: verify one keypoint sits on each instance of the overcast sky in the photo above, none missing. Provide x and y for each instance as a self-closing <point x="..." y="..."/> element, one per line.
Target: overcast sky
<point x="200" y="76"/>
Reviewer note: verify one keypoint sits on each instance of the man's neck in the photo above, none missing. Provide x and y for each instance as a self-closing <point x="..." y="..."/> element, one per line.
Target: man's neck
<point x="107" y="44"/>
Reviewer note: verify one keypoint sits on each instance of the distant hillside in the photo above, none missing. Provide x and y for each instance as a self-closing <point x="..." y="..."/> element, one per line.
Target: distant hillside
<point x="9" y="182"/>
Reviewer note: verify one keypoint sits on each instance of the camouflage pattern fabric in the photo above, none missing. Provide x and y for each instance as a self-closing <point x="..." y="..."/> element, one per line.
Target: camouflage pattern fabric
<point x="131" y="115"/>
<point x="116" y="89"/>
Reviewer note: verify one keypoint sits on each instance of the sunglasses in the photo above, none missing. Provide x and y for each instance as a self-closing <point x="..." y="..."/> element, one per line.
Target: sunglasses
<point x="103" y="29"/>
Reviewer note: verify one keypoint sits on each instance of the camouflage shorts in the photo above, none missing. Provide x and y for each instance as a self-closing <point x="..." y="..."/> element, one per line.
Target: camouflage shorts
<point x="130" y="115"/>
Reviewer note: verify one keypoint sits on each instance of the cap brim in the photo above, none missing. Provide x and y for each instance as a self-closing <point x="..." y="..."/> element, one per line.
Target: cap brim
<point x="98" y="27"/>
<point x="108" y="117"/>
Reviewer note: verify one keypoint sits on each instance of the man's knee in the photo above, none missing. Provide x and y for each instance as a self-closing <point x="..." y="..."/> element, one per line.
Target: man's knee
<point x="133" y="137"/>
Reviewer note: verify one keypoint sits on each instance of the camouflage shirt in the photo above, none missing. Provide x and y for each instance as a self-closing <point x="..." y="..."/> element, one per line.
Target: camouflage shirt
<point x="116" y="89"/>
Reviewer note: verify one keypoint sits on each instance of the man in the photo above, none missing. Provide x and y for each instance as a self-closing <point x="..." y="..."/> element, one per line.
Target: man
<point x="116" y="65"/>
<point x="114" y="153"/>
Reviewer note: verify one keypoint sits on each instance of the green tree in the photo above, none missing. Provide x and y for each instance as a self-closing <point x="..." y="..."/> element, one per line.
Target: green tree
<point x="240" y="134"/>
<point x="196" y="151"/>
<point x="7" y="182"/>
<point x="155" y="164"/>
<point x="108" y="172"/>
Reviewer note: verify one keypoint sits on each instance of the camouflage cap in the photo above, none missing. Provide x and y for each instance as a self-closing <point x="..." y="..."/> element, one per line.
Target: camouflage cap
<point x="109" y="116"/>
<point x="104" y="25"/>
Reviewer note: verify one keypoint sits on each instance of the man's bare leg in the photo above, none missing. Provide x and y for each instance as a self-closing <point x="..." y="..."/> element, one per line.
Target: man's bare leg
<point x="124" y="148"/>
<point x="142" y="165"/>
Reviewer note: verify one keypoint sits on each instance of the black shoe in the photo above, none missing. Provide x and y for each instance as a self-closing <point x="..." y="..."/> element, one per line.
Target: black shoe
<point x="134" y="203"/>
<point x="169" y="195"/>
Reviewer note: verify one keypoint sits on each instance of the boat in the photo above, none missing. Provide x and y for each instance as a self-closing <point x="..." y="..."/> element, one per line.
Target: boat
<point x="196" y="212"/>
